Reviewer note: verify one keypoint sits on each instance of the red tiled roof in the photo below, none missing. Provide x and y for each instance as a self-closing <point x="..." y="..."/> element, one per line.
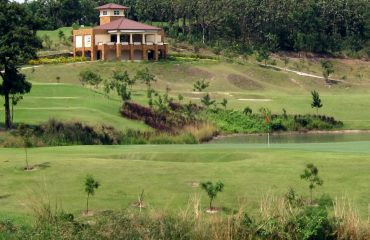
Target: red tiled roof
<point x="111" y="6"/>
<point x="126" y="24"/>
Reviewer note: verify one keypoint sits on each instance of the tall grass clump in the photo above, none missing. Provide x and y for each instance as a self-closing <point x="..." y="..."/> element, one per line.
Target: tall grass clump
<point x="279" y="218"/>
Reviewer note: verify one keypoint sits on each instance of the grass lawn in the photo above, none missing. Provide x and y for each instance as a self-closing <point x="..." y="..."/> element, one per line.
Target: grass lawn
<point x="54" y="34"/>
<point x="71" y="103"/>
<point x="243" y="85"/>
<point x="168" y="174"/>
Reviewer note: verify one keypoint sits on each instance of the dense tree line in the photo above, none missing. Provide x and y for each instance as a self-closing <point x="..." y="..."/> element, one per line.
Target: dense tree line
<point x="295" y="25"/>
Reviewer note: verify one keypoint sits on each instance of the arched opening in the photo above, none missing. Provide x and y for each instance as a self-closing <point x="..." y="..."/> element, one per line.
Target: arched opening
<point x="111" y="55"/>
<point x="88" y="55"/>
<point x="125" y="55"/>
<point x="151" y="55"/>
<point x="161" y="54"/>
<point x="98" y="55"/>
<point x="138" y="55"/>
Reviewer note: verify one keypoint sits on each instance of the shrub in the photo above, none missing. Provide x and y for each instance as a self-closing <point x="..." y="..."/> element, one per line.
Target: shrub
<point x="314" y="224"/>
<point x="41" y="61"/>
<point x="231" y="121"/>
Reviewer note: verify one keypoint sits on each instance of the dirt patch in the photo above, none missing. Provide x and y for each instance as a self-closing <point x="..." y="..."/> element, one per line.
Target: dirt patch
<point x="88" y="214"/>
<point x="243" y="82"/>
<point x="212" y="211"/>
<point x="255" y="100"/>
<point x="197" y="72"/>
<point x="194" y="184"/>
<point x="36" y="167"/>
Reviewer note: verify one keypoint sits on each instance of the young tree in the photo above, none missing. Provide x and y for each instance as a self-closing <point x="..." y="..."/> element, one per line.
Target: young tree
<point x="316" y="101"/>
<point x="327" y="69"/>
<point x="212" y="191"/>
<point x="224" y="103"/>
<point x="88" y="77"/>
<point x="286" y="61"/>
<point x="263" y="55"/>
<point x="25" y="133"/>
<point x="180" y="98"/>
<point x="123" y="84"/>
<point x="123" y="77"/>
<point x="247" y="111"/>
<point x="147" y="78"/>
<point x="311" y="176"/>
<point x="61" y="35"/>
<point x="124" y="92"/>
<point x="47" y="41"/>
<point x="207" y="101"/>
<point x="200" y="86"/>
<point x="18" y="45"/>
<point x="90" y="186"/>
<point x="107" y="87"/>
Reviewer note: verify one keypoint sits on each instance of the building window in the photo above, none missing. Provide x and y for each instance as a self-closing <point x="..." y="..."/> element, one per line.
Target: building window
<point x="116" y="12"/>
<point x="105" y="13"/>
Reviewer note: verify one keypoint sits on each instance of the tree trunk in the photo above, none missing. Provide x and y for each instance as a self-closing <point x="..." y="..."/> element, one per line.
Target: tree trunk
<point x="203" y="34"/>
<point x="87" y="204"/>
<point x="12" y="110"/>
<point x="210" y="204"/>
<point x="27" y="166"/>
<point x="311" y="195"/>
<point x="8" y="119"/>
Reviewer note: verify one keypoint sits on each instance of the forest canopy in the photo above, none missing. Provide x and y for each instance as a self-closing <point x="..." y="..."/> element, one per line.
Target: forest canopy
<point x="320" y="26"/>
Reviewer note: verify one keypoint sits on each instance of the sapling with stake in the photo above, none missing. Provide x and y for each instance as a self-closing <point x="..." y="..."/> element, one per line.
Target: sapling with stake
<point x="311" y="176"/>
<point x="212" y="191"/>
<point x="90" y="186"/>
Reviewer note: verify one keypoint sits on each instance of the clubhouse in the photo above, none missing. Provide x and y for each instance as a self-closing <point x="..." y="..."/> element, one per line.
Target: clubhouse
<point x="119" y="38"/>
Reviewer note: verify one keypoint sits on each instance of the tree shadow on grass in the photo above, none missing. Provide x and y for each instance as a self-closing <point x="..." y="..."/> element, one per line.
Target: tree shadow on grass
<point x="4" y="196"/>
<point x="36" y="167"/>
<point x="332" y="82"/>
<point x="269" y="67"/>
<point x="43" y="165"/>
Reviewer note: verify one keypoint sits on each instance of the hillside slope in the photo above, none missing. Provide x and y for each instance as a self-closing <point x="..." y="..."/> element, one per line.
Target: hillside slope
<point x="243" y="84"/>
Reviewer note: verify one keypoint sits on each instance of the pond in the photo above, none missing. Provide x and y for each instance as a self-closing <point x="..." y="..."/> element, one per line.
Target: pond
<point x="294" y="138"/>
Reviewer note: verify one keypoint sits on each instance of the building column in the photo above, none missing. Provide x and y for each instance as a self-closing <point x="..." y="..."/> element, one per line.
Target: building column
<point x="143" y="41"/>
<point x="93" y="47"/>
<point x="155" y="38"/>
<point x="165" y="51"/>
<point x="144" y="53"/>
<point x="131" y="52"/>
<point x="118" y="51"/>
<point x="103" y="52"/>
<point x="118" y="38"/>
<point x="156" y="58"/>
<point x="131" y="40"/>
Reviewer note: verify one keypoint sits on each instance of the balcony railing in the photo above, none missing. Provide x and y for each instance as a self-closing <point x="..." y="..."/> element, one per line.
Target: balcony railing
<point x="134" y="43"/>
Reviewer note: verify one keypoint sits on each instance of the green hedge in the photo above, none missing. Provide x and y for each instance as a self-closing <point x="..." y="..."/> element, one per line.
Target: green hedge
<point x="41" y="61"/>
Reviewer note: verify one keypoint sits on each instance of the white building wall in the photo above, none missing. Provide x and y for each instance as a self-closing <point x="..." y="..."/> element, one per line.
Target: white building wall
<point x="111" y="13"/>
<point x="78" y="42"/>
<point x="159" y="38"/>
<point x="87" y="40"/>
<point x="150" y="38"/>
<point x="102" y="38"/>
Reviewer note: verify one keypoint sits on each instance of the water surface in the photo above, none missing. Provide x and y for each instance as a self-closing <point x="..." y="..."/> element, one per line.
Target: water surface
<point x="295" y="138"/>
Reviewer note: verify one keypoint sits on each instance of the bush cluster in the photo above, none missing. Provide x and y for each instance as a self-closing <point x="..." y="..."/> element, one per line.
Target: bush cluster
<point x="169" y="121"/>
<point x="41" y="61"/>
<point x="191" y="57"/>
<point x="58" y="133"/>
<point x="232" y="121"/>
